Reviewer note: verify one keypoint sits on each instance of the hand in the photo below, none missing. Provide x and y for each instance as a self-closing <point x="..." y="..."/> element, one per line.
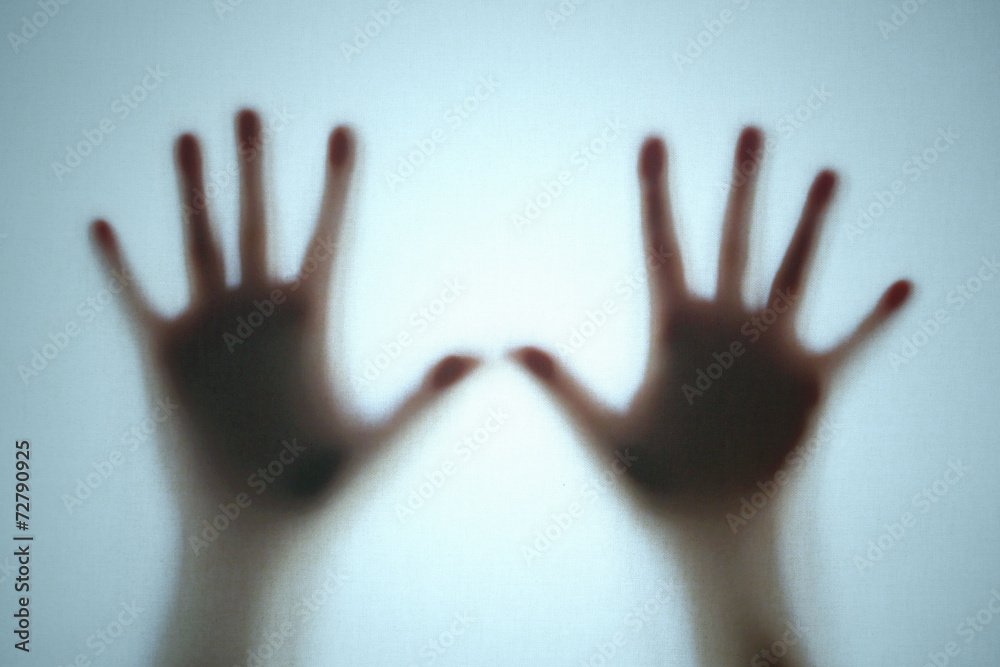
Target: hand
<point x="729" y="390"/>
<point x="247" y="363"/>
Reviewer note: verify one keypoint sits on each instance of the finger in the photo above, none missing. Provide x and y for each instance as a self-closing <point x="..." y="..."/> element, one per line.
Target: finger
<point x="789" y="277"/>
<point x="444" y="375"/>
<point x="318" y="262"/>
<point x="890" y="303"/>
<point x="253" y="233"/>
<point x="581" y="405"/>
<point x="204" y="256"/>
<point x="111" y="256"/>
<point x="739" y="209"/>
<point x="667" y="281"/>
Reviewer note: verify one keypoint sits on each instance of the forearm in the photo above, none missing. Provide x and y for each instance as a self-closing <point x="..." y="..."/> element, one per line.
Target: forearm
<point x="736" y="594"/>
<point x="223" y="578"/>
<point x="240" y="570"/>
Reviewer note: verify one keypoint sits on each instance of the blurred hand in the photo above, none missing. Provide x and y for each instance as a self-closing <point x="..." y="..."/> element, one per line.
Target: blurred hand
<point x="247" y="363"/>
<point x="729" y="391"/>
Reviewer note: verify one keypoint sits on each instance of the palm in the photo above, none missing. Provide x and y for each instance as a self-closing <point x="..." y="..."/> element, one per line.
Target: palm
<point x="729" y="391"/>
<point x="724" y="412"/>
<point x="250" y="395"/>
<point x="247" y="364"/>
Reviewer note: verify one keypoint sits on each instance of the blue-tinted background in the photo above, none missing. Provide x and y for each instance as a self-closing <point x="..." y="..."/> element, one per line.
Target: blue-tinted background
<point x="605" y="76"/>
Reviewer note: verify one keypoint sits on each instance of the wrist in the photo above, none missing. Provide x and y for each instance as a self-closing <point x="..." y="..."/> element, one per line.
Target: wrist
<point x="224" y="580"/>
<point x="736" y="593"/>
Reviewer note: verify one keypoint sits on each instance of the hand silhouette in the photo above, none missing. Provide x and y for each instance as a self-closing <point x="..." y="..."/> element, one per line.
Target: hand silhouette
<point x="729" y="390"/>
<point x="247" y="363"/>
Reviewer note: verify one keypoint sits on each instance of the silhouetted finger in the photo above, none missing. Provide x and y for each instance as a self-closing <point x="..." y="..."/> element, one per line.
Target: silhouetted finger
<point x="581" y="405"/>
<point x="444" y="375"/>
<point x="666" y="276"/>
<point x="204" y="256"/>
<point x="318" y="263"/>
<point x="790" y="274"/>
<point x="890" y="303"/>
<point x="124" y="280"/>
<point x="739" y="210"/>
<point x="253" y="232"/>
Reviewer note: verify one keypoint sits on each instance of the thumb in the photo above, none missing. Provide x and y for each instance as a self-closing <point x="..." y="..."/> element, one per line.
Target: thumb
<point x="583" y="408"/>
<point x="441" y="377"/>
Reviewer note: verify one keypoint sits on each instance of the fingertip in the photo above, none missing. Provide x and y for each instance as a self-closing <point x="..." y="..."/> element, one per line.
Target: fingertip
<point x="104" y="237"/>
<point x="897" y="295"/>
<point x="102" y="233"/>
<point x="750" y="140"/>
<point x="187" y="152"/>
<point x="539" y="363"/>
<point x="106" y="242"/>
<point x="247" y="125"/>
<point x="340" y="146"/>
<point x="451" y="369"/>
<point x="652" y="158"/>
<point x="826" y="181"/>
